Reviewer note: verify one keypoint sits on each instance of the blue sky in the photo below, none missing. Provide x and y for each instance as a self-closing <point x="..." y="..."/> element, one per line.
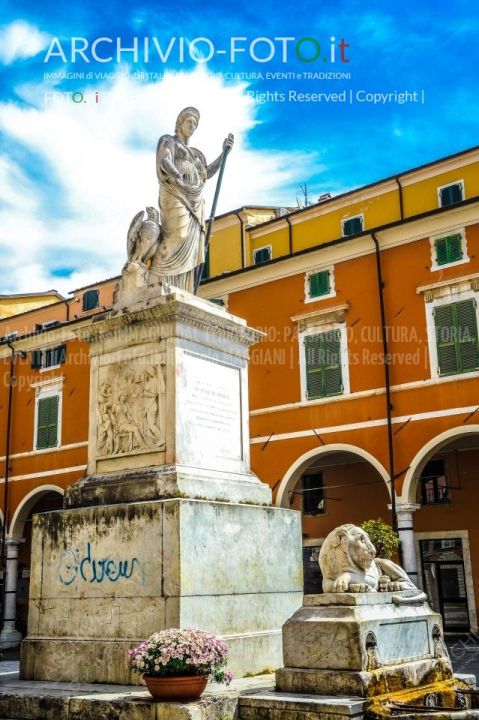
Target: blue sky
<point x="73" y="174"/>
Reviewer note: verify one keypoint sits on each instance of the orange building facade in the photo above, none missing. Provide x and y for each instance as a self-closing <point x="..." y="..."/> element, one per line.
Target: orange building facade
<point x="364" y="389"/>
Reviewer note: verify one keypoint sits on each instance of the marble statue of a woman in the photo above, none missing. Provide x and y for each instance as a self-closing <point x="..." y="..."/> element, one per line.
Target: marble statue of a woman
<point x="182" y="173"/>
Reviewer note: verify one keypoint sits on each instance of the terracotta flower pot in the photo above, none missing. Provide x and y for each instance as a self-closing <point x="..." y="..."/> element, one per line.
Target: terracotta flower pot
<point x="176" y="687"/>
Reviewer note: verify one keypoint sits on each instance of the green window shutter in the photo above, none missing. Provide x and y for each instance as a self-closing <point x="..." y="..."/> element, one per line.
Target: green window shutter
<point x="319" y="284"/>
<point x="36" y="359"/>
<point x="323" y="364"/>
<point x="90" y="300"/>
<point x="352" y="226"/>
<point x="47" y="422"/>
<point x="451" y="194"/>
<point x="445" y="339"/>
<point x="455" y="247"/>
<point x="314" y="375"/>
<point x="60" y="354"/>
<point x="467" y="339"/>
<point x="441" y="251"/>
<point x="262" y="255"/>
<point x="457" y="337"/>
<point x="448" y="249"/>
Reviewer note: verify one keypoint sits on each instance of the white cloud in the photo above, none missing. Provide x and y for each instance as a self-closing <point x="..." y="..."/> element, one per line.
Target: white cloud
<point x="101" y="156"/>
<point x="20" y="40"/>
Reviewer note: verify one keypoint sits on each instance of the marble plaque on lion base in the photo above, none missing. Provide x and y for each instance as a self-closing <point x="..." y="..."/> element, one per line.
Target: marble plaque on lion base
<point x="105" y="578"/>
<point x="168" y="404"/>
<point x="362" y="644"/>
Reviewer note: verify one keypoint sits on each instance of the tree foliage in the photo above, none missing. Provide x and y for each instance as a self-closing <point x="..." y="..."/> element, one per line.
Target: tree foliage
<point x="383" y="537"/>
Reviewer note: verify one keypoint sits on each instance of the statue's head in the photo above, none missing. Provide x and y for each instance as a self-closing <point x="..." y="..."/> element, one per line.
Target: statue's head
<point x="187" y="121"/>
<point x="347" y="547"/>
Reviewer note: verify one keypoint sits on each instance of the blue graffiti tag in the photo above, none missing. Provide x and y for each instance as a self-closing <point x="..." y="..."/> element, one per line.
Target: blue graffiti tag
<point x="72" y="566"/>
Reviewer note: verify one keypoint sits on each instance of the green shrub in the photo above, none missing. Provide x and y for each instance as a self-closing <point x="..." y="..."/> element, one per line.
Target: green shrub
<point x="383" y="537"/>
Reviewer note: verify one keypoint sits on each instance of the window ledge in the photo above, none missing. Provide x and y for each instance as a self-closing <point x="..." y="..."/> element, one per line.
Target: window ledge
<point x="435" y="267"/>
<point x="318" y="298"/>
<point x="40" y="451"/>
<point x="49" y="367"/>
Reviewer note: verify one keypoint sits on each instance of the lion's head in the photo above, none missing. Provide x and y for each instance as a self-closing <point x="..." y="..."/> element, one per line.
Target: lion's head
<point x="346" y="548"/>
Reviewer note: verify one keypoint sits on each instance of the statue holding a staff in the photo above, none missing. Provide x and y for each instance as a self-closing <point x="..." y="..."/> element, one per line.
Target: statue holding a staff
<point x="182" y="173"/>
<point x="176" y="249"/>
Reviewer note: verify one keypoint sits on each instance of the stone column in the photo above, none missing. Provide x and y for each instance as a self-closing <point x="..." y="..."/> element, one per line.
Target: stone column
<point x="406" y="535"/>
<point x="10" y="637"/>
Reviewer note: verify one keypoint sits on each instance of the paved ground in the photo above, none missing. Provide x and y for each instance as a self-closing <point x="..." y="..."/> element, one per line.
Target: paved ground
<point x="464" y="653"/>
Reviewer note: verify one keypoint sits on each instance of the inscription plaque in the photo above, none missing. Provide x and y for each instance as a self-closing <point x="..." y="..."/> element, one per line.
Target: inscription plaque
<point x="209" y="405"/>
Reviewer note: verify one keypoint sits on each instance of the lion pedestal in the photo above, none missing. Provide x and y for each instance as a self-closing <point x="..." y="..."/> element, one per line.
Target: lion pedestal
<point x="371" y="632"/>
<point x="362" y="644"/>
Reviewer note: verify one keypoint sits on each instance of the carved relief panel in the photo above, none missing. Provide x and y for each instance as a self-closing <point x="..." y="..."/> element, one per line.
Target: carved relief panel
<point x="130" y="409"/>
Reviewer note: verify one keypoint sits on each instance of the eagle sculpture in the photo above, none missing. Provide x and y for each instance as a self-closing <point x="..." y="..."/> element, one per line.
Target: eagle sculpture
<point x="143" y="234"/>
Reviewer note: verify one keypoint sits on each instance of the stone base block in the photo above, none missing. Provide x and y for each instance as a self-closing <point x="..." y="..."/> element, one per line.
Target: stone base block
<point x="167" y="482"/>
<point x="54" y="701"/>
<point x="282" y="706"/>
<point x="362" y="632"/>
<point x="362" y="683"/>
<point x="105" y="578"/>
<point x="89" y="661"/>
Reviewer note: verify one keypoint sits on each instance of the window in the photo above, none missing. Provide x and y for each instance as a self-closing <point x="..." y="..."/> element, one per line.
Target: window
<point x="323" y="364"/>
<point x="47" y="422"/>
<point x="46" y="325"/>
<point x="90" y="300"/>
<point x="11" y="335"/>
<point x="319" y="284"/>
<point x="353" y="225"/>
<point x="456" y="337"/>
<point x="450" y="194"/>
<point x="262" y="255"/>
<point x="51" y="357"/>
<point x="218" y="301"/>
<point x="449" y="249"/>
<point x="434" y="483"/>
<point x="313" y="494"/>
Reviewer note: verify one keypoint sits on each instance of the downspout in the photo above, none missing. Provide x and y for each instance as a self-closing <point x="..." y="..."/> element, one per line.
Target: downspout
<point x="401" y="199"/>
<point x="387" y="383"/>
<point x="67" y="305"/>
<point x="11" y="381"/>
<point x="243" y="253"/>
<point x="290" y="235"/>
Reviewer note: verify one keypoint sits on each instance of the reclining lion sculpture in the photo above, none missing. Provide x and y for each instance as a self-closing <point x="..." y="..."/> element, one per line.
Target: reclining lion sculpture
<point x="348" y="563"/>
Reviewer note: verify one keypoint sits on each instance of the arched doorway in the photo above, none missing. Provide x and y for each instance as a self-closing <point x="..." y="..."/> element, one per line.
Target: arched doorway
<point x="442" y="482"/>
<point x="42" y="499"/>
<point x="332" y="485"/>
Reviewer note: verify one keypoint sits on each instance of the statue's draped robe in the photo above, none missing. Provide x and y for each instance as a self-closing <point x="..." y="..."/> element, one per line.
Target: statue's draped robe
<point x="182" y="239"/>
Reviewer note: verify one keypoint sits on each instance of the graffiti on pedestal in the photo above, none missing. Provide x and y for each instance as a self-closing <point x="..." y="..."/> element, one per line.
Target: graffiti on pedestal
<point x="85" y="567"/>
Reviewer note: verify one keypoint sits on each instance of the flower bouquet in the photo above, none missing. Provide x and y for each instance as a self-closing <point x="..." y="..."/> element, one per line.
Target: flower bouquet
<point x="176" y="664"/>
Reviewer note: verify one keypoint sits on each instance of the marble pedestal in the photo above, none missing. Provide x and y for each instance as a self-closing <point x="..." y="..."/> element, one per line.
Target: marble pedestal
<point x="170" y="528"/>
<point x="362" y="644"/>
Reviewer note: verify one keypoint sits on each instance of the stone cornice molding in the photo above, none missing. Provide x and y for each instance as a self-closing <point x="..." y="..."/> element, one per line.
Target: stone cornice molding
<point x="449" y="287"/>
<point x="165" y="317"/>
<point x="325" y="316"/>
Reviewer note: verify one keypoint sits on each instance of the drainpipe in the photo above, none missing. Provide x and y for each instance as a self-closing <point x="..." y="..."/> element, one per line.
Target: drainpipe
<point x="243" y="253"/>
<point x="11" y="382"/>
<point x="290" y="235"/>
<point x="401" y="199"/>
<point x="67" y="305"/>
<point x="387" y="383"/>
